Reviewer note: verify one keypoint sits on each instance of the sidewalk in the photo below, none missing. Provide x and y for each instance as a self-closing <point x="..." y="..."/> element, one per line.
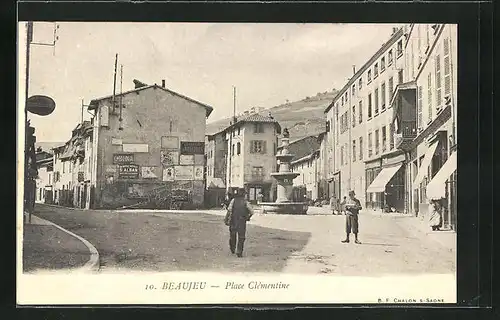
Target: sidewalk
<point x="46" y="247"/>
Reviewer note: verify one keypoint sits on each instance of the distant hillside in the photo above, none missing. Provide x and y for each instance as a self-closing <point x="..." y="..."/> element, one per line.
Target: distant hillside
<point x="47" y="146"/>
<point x="302" y="118"/>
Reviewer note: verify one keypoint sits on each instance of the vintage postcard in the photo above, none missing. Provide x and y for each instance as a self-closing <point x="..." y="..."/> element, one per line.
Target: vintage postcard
<point x="236" y="163"/>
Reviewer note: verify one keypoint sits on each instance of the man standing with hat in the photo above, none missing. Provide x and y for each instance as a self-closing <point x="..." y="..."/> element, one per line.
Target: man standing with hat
<point x="238" y="213"/>
<point x="352" y="208"/>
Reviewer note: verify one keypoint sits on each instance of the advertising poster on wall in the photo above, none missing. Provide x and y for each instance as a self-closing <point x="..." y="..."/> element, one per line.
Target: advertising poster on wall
<point x="169" y="158"/>
<point x="128" y="171"/>
<point x="169" y="142"/>
<point x="148" y="172"/>
<point x="186" y="159"/>
<point x="184" y="172"/>
<point x="198" y="173"/>
<point x="168" y="174"/>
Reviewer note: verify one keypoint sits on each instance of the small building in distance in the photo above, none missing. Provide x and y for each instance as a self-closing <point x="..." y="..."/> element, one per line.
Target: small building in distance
<point x="45" y="166"/>
<point x="251" y="155"/>
<point x="148" y="144"/>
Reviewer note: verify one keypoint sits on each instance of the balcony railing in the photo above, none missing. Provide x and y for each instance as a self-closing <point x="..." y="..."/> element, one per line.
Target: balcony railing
<point x="407" y="133"/>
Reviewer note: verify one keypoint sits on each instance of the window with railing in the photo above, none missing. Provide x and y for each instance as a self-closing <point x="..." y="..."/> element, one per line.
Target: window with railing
<point x="384" y="139"/>
<point x="369" y="106"/>
<point x="360" y="148"/>
<point x="382" y="95"/>
<point x="370" y="145"/>
<point x="360" y="108"/>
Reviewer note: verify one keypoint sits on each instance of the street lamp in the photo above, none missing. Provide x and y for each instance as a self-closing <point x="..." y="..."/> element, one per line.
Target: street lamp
<point x="40" y="105"/>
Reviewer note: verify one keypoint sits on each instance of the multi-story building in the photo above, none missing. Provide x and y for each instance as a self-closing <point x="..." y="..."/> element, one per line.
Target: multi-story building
<point x="306" y="152"/>
<point x="358" y="138"/>
<point x="322" y="172"/>
<point x="251" y="155"/>
<point x="425" y="118"/>
<point x="62" y="183"/>
<point x="45" y="165"/>
<point x="308" y="168"/>
<point x="216" y="168"/>
<point x="147" y="142"/>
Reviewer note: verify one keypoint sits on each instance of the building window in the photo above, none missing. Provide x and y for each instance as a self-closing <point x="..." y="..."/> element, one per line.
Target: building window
<point x="232" y="150"/>
<point x="353" y="116"/>
<point x="429" y="97"/>
<point x="391" y="136"/>
<point x="353" y="150"/>
<point x="369" y="76"/>
<point x="360" y="83"/>
<point x="382" y="96"/>
<point x="370" y="145"/>
<point x="377" y="142"/>
<point x="419" y="109"/>
<point x="447" y="67"/>
<point x="360" y="117"/>
<point x="257" y="172"/>
<point x="238" y="148"/>
<point x="239" y="130"/>
<point x="342" y="155"/>
<point x="400" y="48"/>
<point x="360" y="148"/>
<point x="342" y="99"/>
<point x="389" y="58"/>
<point x="391" y="89"/>
<point x="258" y="146"/>
<point x="375" y="71"/>
<point x="384" y="138"/>
<point x="439" y="99"/>
<point x="382" y="64"/>
<point x="353" y="89"/>
<point x="369" y="106"/>
<point x="376" y="101"/>
<point x="258" y="128"/>
<point x="400" y="76"/>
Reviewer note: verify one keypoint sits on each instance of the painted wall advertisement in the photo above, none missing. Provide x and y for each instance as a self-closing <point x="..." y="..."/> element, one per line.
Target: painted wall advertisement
<point x="169" y="157"/>
<point x="184" y="172"/>
<point x="128" y="171"/>
<point x="186" y="159"/>
<point x="123" y="158"/>
<point x="191" y="147"/>
<point x="168" y="174"/>
<point x="148" y="173"/>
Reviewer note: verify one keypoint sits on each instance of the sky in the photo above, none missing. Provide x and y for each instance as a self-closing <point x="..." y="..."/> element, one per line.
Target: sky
<point x="267" y="63"/>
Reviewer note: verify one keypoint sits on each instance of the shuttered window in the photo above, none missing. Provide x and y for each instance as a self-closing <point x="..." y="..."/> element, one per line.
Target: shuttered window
<point x="429" y="97"/>
<point x="382" y="96"/>
<point x="419" y="106"/>
<point x="447" y="71"/>
<point x="370" y="145"/>
<point x="376" y="101"/>
<point x="360" y="118"/>
<point x="439" y="98"/>
<point x="360" y="148"/>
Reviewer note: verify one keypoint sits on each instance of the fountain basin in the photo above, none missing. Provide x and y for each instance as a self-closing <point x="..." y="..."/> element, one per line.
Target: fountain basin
<point x="285" y="175"/>
<point x="284" y="207"/>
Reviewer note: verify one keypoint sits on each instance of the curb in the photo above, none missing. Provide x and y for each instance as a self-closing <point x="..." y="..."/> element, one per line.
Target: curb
<point x="93" y="263"/>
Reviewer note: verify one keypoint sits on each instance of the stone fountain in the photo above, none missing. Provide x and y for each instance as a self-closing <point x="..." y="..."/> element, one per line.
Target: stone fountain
<point x="284" y="178"/>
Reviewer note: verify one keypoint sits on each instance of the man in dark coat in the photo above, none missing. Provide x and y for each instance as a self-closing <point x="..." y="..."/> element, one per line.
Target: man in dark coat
<point x="238" y="213"/>
<point x="352" y="208"/>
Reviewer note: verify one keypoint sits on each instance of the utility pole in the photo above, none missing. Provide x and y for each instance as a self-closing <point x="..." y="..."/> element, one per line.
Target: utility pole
<point x="114" y="83"/>
<point x="82" y="110"/>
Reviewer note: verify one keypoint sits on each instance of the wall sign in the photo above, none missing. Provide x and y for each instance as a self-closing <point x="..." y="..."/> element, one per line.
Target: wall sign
<point x="169" y="157"/>
<point x="169" y="142"/>
<point x="198" y="172"/>
<point x="135" y="147"/>
<point x="184" y="173"/>
<point x="186" y="159"/>
<point x="168" y="174"/>
<point x="128" y="171"/>
<point x="190" y="147"/>
<point x="123" y="158"/>
<point x="116" y="141"/>
<point x="148" y="173"/>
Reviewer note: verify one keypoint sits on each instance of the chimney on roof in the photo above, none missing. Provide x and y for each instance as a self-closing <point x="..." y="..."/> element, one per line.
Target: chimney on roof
<point x="394" y="30"/>
<point x="163" y="83"/>
<point x="353" y="69"/>
<point x="139" y="84"/>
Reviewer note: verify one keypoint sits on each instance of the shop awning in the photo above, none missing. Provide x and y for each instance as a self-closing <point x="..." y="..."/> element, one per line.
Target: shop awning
<point x="422" y="170"/>
<point x="378" y="185"/>
<point x="436" y="188"/>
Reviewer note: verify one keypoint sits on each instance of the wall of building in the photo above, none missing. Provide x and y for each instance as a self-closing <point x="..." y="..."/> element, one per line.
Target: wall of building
<point x="308" y="168"/>
<point x="149" y="117"/>
<point x="346" y="129"/>
<point x="216" y="158"/>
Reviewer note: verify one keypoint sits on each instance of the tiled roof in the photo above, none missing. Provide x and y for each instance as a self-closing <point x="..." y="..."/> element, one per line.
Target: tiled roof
<point x="257" y="118"/>
<point x="208" y="108"/>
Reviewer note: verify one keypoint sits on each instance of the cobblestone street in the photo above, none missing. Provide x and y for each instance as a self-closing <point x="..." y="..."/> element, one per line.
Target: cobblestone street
<point x="197" y="241"/>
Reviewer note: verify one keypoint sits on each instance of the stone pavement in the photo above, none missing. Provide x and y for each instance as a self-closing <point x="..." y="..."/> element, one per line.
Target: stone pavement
<point x="46" y="247"/>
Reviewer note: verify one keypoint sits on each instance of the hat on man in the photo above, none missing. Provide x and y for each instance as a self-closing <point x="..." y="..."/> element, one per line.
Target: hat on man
<point x="351" y="193"/>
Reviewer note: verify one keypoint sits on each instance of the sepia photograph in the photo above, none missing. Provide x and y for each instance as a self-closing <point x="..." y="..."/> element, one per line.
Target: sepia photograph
<point x="217" y="163"/>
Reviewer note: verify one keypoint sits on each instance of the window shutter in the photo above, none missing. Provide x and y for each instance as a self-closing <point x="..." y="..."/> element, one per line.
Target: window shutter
<point x="429" y="96"/>
<point x="264" y="147"/>
<point x="439" y="98"/>
<point x="419" y="107"/>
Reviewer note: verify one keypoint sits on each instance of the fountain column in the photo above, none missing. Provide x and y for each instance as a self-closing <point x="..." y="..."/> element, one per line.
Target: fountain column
<point x="285" y="184"/>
